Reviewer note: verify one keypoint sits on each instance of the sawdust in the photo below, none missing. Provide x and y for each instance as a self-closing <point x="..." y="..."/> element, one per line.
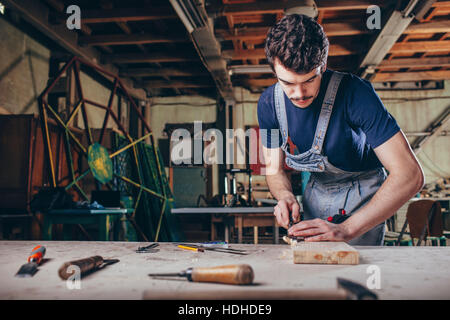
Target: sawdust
<point x="290" y="241"/>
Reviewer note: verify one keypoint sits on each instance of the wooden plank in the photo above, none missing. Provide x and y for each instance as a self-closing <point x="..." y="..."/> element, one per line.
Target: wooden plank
<point x="415" y="62"/>
<point x="331" y="30"/>
<point x="441" y="4"/>
<point x="324" y="253"/>
<point x="411" y="76"/>
<point x="158" y="72"/>
<point x="125" y="39"/>
<point x="126" y="14"/>
<point x="421" y="46"/>
<point x="429" y="27"/>
<point x="151" y="58"/>
<point x="257" y="82"/>
<point x="274" y="7"/>
<point x="177" y="84"/>
<point x="334" y="50"/>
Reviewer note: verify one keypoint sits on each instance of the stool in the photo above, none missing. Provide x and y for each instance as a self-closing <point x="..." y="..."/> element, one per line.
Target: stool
<point x="103" y="218"/>
<point x="256" y="220"/>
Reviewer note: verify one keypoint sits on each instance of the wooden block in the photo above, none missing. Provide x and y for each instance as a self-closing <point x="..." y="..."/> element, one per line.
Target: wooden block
<point x="325" y="253"/>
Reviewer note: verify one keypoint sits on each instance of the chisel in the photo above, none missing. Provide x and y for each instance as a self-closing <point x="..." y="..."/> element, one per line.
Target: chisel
<point x="86" y="265"/>
<point x="29" y="269"/>
<point x="229" y="274"/>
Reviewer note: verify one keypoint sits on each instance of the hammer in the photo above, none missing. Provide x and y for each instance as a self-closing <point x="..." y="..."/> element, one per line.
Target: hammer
<point x="347" y="290"/>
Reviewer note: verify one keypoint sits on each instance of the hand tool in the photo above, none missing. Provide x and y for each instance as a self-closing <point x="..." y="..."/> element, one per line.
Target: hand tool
<point x="190" y="248"/>
<point x="29" y="269"/>
<point x="147" y="248"/>
<point x="346" y="290"/>
<point x="229" y="274"/>
<point x="215" y="244"/>
<point x="292" y="238"/>
<point x="86" y="265"/>
<point x="339" y="218"/>
<point x="216" y="249"/>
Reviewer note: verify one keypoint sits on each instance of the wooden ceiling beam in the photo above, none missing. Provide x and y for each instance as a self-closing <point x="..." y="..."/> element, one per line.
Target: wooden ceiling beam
<point x="421" y="46"/>
<point x="439" y="26"/>
<point x="148" y="58"/>
<point x="275" y="7"/>
<point x="159" y="72"/>
<point x="415" y="62"/>
<point x="256" y="82"/>
<point x="441" y="4"/>
<point x="331" y="30"/>
<point x="151" y="84"/>
<point x="126" y="14"/>
<point x="411" y="76"/>
<point x="127" y="39"/>
<point x="335" y="50"/>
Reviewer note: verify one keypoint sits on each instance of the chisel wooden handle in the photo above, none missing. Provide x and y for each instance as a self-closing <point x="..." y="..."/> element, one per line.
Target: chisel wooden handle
<point x="230" y="274"/>
<point x="85" y="265"/>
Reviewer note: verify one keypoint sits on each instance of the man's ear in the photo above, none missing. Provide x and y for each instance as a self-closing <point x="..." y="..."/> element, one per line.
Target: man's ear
<point x="324" y="67"/>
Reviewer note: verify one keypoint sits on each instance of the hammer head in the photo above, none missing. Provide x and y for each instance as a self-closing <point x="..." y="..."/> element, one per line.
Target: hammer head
<point x="355" y="291"/>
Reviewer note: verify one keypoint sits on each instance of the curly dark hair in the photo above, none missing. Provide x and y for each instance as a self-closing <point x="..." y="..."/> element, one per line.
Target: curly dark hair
<point x="299" y="42"/>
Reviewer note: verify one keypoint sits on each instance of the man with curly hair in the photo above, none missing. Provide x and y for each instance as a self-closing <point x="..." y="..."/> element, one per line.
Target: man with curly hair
<point x="335" y="126"/>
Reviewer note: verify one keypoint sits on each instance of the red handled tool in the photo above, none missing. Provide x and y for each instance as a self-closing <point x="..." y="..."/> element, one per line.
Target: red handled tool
<point x="29" y="269"/>
<point x="339" y="218"/>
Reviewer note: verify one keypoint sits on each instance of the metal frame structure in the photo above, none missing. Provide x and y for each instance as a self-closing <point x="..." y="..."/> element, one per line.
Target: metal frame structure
<point x="71" y="140"/>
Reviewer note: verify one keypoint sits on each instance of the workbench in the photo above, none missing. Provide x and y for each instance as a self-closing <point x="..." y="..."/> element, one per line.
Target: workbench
<point x="406" y="272"/>
<point x="239" y="218"/>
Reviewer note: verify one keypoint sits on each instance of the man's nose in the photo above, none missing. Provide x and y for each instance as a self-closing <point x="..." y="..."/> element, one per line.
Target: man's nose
<point x="299" y="92"/>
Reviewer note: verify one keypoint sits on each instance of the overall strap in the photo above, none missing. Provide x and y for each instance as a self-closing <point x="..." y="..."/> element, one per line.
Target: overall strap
<point x="325" y="112"/>
<point x="280" y="108"/>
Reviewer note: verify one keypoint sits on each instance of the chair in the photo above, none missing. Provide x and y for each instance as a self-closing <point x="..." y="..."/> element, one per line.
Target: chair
<point x="424" y="218"/>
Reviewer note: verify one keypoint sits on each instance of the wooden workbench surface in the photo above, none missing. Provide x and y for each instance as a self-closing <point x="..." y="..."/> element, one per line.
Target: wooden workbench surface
<point x="406" y="272"/>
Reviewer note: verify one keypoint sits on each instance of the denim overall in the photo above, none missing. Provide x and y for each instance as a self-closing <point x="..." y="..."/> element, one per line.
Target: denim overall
<point x="329" y="188"/>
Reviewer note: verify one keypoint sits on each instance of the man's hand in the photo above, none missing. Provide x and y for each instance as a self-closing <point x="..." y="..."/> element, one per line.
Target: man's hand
<point x="319" y="230"/>
<point x="286" y="206"/>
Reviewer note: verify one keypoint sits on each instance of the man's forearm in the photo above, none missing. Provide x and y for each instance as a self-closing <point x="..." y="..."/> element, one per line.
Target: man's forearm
<point x="279" y="185"/>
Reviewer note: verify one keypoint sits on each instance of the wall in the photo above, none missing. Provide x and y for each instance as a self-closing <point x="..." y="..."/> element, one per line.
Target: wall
<point x="415" y="111"/>
<point x="23" y="70"/>
<point x="183" y="109"/>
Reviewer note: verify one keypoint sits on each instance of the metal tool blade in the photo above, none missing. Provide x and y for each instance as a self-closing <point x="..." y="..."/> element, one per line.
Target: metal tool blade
<point x="27" y="270"/>
<point x="147" y="248"/>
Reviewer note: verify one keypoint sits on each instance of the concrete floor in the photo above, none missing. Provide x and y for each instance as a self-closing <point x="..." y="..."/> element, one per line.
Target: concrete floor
<point x="405" y="272"/>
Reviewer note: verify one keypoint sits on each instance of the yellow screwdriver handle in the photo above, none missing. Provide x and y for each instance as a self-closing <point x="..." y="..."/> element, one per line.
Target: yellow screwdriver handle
<point x="229" y="274"/>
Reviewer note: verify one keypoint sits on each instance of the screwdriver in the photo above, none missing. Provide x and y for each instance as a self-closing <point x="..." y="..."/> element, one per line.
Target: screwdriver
<point x="229" y="274"/>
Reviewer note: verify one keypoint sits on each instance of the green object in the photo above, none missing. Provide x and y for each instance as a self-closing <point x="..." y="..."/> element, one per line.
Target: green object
<point x="102" y="218"/>
<point x="100" y="163"/>
<point x="153" y="213"/>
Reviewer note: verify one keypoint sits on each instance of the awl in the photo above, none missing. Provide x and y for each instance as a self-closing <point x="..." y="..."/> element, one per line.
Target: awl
<point x="229" y="274"/>
<point x="29" y="269"/>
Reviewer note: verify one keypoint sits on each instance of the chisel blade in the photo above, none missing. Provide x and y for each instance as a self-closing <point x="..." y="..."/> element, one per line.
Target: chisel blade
<point x="27" y="270"/>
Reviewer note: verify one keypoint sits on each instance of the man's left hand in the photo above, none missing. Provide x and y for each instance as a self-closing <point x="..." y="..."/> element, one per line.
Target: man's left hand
<point x="319" y="230"/>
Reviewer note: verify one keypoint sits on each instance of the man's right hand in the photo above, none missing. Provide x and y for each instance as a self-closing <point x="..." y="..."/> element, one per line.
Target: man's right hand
<point x="286" y="206"/>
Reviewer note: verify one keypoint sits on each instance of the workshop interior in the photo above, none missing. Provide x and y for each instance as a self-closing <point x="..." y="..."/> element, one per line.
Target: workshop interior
<point x="131" y="151"/>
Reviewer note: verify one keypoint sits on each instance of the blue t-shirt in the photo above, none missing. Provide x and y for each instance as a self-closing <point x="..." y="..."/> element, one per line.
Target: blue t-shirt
<point x="358" y="124"/>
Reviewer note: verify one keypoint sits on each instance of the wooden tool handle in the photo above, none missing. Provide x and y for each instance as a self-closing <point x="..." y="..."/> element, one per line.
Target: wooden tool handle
<point x="230" y="274"/>
<point x="85" y="265"/>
